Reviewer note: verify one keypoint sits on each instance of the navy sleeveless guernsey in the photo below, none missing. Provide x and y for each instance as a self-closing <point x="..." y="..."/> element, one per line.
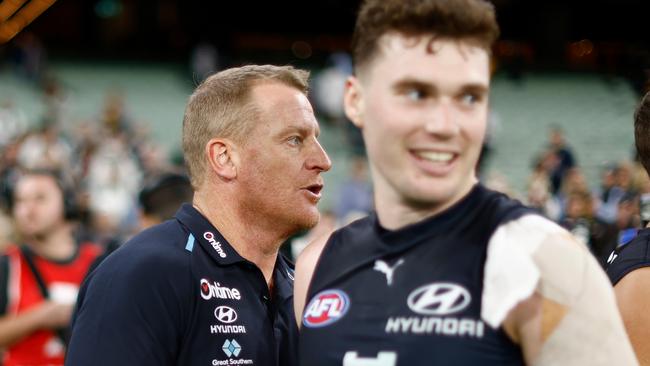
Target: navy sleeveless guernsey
<point x="411" y="296"/>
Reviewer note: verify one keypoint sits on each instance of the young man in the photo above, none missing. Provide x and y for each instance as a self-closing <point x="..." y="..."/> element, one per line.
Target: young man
<point x="445" y="271"/>
<point x="629" y="265"/>
<point x="209" y="287"/>
<point x="40" y="278"/>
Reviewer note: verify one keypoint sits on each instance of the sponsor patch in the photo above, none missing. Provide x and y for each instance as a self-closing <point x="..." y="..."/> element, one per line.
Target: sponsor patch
<point x="214" y="290"/>
<point x="440" y="298"/>
<point x="209" y="236"/>
<point x="225" y="314"/>
<point x="326" y="308"/>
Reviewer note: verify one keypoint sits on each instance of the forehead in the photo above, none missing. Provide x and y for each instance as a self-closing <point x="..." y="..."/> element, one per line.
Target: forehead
<point x="31" y="184"/>
<point x="275" y="95"/>
<point x="425" y="57"/>
<point x="282" y="104"/>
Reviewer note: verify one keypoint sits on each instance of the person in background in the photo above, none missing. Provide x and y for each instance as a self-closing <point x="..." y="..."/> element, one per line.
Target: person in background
<point x="41" y="275"/>
<point x="445" y="271"/>
<point x="565" y="157"/>
<point x="629" y="265"/>
<point x="209" y="287"/>
<point x="162" y="196"/>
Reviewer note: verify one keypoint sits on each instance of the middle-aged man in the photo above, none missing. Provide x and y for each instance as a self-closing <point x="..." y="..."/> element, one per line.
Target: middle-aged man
<point x="446" y="271"/>
<point x="209" y="287"/>
<point x="629" y="265"/>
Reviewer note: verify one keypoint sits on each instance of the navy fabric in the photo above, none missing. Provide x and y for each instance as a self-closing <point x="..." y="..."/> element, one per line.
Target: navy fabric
<point x="411" y="296"/>
<point x="628" y="257"/>
<point x="179" y="294"/>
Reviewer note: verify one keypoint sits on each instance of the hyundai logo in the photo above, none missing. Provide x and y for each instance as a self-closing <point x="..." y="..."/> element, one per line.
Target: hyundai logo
<point x="225" y="314"/>
<point x="440" y="298"/>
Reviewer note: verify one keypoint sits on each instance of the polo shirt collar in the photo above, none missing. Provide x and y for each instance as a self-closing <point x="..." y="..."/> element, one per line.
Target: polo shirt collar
<point x="284" y="277"/>
<point x="204" y="233"/>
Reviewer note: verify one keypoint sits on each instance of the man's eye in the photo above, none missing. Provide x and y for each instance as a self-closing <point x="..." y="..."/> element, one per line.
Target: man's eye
<point x="415" y="94"/>
<point x="470" y="98"/>
<point x="295" y="140"/>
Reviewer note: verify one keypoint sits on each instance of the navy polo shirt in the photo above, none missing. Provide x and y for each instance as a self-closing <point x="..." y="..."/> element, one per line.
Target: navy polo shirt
<point x="179" y="294"/>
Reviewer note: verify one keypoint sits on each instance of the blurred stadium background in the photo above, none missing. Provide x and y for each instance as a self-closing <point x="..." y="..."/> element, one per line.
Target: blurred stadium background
<point x="581" y="65"/>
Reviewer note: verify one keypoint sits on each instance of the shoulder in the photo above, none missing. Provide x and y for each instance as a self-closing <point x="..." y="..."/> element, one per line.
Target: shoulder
<point x="632" y="256"/>
<point x="154" y="255"/>
<point x="543" y="283"/>
<point x="530" y="253"/>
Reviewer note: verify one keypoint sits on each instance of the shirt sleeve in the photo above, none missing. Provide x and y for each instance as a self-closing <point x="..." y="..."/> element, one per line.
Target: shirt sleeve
<point x="131" y="311"/>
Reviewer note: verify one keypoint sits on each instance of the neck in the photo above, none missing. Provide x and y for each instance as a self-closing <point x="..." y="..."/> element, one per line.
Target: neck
<point x="58" y="244"/>
<point x="254" y="242"/>
<point x="395" y="211"/>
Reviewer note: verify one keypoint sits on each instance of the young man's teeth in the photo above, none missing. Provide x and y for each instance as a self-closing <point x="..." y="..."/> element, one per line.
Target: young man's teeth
<point x="436" y="156"/>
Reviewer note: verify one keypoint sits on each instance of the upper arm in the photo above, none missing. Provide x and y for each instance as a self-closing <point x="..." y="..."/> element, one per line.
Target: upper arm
<point x="129" y="314"/>
<point x="633" y="297"/>
<point x="571" y="318"/>
<point x="552" y="297"/>
<point x="305" y="266"/>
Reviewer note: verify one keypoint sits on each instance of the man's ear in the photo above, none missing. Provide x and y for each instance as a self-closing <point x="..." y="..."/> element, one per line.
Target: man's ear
<point x="353" y="101"/>
<point x="222" y="157"/>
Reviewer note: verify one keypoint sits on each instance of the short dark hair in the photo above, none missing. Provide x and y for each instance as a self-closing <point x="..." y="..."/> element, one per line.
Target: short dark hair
<point x="642" y="131"/>
<point x="163" y="195"/>
<point x="473" y="20"/>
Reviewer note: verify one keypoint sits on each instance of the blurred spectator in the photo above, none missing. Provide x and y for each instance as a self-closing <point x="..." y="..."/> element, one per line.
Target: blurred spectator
<point x="574" y="182"/>
<point x="45" y="149"/>
<point x="114" y="119"/>
<point x="608" y="195"/>
<point x="13" y="122"/>
<point x="628" y="220"/>
<point x="56" y="103"/>
<point x="326" y="225"/>
<point x="162" y="196"/>
<point x="579" y="219"/>
<point x="538" y="191"/>
<point x="565" y="158"/>
<point x="487" y="149"/>
<point x="624" y="177"/>
<point x="40" y="278"/>
<point x="329" y="85"/>
<point x="205" y="60"/>
<point x="355" y="193"/>
<point x="113" y="182"/>
<point x="328" y="88"/>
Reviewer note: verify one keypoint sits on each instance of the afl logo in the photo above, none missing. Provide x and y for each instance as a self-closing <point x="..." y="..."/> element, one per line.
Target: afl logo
<point x="325" y="308"/>
<point x="439" y="299"/>
<point x="225" y="314"/>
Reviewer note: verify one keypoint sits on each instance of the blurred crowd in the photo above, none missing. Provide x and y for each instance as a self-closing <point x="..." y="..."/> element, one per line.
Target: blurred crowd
<point x="602" y="215"/>
<point x="109" y="159"/>
<point x="106" y="160"/>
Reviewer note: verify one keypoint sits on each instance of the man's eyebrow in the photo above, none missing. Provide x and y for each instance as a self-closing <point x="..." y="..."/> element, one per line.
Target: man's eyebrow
<point x="302" y="129"/>
<point x="410" y="83"/>
<point x="476" y="88"/>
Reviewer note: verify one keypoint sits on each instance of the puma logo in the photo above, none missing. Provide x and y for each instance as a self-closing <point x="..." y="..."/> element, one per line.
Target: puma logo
<point x="384" y="268"/>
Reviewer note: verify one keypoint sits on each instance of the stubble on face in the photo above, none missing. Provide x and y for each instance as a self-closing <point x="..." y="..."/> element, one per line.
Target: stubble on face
<point x="273" y="171"/>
